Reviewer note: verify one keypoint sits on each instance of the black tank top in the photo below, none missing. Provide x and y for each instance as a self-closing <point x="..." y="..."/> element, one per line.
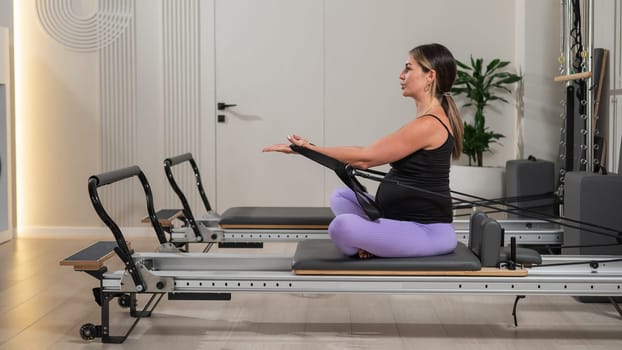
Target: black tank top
<point x="425" y="169"/>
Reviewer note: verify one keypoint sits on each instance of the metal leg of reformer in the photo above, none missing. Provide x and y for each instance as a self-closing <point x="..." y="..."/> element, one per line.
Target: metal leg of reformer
<point x="103" y="331"/>
<point x="518" y="297"/>
<point x="615" y="305"/>
<point x="208" y="247"/>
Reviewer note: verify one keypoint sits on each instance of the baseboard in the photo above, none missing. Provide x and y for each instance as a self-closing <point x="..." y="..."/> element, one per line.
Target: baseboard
<point x="82" y="232"/>
<point x="7" y="235"/>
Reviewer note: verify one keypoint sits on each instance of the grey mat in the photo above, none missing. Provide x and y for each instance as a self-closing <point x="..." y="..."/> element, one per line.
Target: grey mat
<point x="324" y="255"/>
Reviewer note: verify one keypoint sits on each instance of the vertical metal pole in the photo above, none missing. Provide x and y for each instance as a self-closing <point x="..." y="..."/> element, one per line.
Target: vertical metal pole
<point x="589" y="127"/>
<point x="570" y="127"/>
<point x="566" y="36"/>
<point x="569" y="90"/>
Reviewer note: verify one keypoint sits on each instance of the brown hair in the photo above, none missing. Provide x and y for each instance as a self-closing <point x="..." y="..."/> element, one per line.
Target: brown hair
<point x="438" y="58"/>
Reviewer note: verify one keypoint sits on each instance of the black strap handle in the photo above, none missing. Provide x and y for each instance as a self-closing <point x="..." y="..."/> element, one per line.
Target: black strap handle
<point x="346" y="173"/>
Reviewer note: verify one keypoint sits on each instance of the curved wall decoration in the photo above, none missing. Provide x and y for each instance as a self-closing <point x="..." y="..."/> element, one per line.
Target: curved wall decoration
<point x="63" y="21"/>
<point x="107" y="29"/>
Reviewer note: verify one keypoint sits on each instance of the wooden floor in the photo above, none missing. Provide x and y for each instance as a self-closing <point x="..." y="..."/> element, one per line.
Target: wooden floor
<point x="43" y="305"/>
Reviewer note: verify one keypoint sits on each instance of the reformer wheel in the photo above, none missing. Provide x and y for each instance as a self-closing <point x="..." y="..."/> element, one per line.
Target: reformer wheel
<point x="125" y="301"/>
<point x="88" y="331"/>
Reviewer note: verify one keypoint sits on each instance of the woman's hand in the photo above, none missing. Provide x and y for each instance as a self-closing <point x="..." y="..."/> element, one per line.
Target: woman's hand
<point x="279" y="147"/>
<point x="284" y="147"/>
<point x="298" y="140"/>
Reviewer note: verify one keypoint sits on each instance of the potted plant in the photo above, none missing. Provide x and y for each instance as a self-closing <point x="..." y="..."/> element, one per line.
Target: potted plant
<point x="480" y="88"/>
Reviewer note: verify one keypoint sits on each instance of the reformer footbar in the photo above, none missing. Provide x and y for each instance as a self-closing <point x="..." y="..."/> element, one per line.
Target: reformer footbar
<point x="197" y="276"/>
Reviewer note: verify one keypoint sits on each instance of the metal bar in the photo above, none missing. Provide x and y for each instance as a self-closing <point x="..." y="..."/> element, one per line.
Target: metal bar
<point x="526" y="232"/>
<point x="160" y="262"/>
<point x="566" y="35"/>
<point x="589" y="143"/>
<point x="537" y="283"/>
<point x="273" y="235"/>
<point x="570" y="127"/>
<point x="615" y="305"/>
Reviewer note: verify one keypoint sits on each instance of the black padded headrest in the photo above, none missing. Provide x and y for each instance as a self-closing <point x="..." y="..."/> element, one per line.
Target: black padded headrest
<point x="524" y="256"/>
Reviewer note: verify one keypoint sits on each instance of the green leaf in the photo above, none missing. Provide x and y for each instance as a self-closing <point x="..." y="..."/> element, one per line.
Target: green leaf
<point x="503" y="64"/>
<point x="462" y="65"/>
<point x="493" y="65"/>
<point x="481" y="88"/>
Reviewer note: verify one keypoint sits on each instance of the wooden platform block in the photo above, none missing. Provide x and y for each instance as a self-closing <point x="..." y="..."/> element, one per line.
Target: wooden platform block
<point x="91" y="258"/>
<point x="575" y="76"/>
<point x="166" y="216"/>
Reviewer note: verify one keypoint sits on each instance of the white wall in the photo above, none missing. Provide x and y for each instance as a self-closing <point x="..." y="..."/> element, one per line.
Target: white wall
<point x="6" y="13"/>
<point x="63" y="124"/>
<point x="363" y="100"/>
<point x="57" y="128"/>
<point x="541" y="28"/>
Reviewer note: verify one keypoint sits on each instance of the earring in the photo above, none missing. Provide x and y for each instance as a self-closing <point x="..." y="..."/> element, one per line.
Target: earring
<point x="427" y="88"/>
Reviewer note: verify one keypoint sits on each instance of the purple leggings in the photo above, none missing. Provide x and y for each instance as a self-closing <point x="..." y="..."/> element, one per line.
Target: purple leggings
<point x="351" y="230"/>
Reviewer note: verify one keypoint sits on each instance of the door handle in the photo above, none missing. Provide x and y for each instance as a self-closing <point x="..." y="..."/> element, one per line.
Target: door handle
<point x="222" y="106"/>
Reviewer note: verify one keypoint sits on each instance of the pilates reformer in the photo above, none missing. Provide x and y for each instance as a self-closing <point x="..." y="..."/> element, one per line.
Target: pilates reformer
<point x="251" y="226"/>
<point x="483" y="266"/>
<point x="240" y="226"/>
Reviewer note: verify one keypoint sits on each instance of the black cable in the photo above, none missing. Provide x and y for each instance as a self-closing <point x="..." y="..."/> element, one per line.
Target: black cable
<point x="515" y="210"/>
<point x="590" y="245"/>
<point x="596" y="262"/>
<point x="515" y="199"/>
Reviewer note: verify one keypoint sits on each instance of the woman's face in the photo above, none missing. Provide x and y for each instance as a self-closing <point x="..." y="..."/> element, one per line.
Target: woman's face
<point x="414" y="80"/>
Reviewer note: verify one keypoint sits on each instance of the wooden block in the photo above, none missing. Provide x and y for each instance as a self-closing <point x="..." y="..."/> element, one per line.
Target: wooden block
<point x="91" y="258"/>
<point x="166" y="216"/>
<point x="576" y="76"/>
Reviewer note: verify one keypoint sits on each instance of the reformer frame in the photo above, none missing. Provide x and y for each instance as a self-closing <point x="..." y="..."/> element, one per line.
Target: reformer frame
<point x="208" y="230"/>
<point x="197" y="276"/>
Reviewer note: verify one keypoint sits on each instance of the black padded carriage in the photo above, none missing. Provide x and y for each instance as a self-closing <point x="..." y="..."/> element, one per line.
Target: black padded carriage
<point x="324" y="255"/>
<point x="277" y="217"/>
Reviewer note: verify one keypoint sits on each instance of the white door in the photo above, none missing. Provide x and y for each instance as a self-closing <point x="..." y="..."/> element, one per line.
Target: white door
<point x="269" y="63"/>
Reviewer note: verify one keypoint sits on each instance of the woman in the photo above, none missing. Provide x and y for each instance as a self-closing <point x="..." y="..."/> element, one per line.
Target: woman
<point x="414" y="223"/>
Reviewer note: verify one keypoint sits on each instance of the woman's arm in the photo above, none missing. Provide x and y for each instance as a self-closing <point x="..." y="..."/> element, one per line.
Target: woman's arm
<point x="419" y="133"/>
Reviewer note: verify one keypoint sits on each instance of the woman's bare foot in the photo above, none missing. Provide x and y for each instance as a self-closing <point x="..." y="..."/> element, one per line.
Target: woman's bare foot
<point x="363" y="254"/>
